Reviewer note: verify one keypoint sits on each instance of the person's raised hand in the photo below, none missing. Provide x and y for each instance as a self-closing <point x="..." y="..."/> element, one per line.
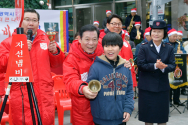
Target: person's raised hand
<point x="52" y="47"/>
<point x="127" y="64"/>
<point x="180" y="52"/>
<point x="29" y="44"/>
<point x="88" y="94"/>
<point x="66" y="53"/>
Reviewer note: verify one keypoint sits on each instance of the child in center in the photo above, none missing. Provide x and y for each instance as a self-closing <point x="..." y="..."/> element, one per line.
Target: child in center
<point x="114" y="103"/>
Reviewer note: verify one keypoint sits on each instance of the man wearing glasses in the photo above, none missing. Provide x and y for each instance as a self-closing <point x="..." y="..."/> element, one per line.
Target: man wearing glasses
<point x="114" y="24"/>
<point x="43" y="54"/>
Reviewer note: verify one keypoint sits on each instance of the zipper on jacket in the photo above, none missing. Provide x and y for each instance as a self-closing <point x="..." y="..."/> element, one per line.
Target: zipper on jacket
<point x="115" y="88"/>
<point x="114" y="81"/>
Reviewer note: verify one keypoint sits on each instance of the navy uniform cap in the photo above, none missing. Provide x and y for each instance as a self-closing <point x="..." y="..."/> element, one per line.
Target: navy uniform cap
<point x="158" y="24"/>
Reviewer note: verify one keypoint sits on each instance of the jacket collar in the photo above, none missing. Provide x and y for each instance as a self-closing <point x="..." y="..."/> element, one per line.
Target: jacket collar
<point x="103" y="58"/>
<point x="152" y="46"/>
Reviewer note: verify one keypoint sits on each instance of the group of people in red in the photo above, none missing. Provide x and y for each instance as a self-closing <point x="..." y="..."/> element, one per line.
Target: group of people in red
<point x="103" y="56"/>
<point x="82" y="54"/>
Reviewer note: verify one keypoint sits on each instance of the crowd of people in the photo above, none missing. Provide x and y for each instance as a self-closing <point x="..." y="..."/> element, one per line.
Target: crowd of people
<point x="104" y="55"/>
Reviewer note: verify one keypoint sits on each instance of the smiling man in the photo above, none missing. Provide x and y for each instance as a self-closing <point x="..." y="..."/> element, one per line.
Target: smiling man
<point x="42" y="58"/>
<point x="75" y="71"/>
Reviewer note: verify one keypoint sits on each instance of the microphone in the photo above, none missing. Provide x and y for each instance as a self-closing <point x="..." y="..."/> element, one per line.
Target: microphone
<point x="29" y="34"/>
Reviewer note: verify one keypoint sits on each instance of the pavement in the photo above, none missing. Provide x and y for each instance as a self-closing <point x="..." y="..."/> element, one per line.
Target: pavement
<point x="174" y="119"/>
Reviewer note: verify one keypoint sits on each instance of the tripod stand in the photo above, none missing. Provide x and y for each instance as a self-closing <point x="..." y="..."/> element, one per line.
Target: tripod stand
<point x="18" y="47"/>
<point x="31" y="96"/>
<point x="174" y="107"/>
<point x="186" y="101"/>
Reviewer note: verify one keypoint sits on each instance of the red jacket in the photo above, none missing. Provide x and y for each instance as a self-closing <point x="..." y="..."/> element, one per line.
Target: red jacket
<point x="125" y="53"/>
<point x="75" y="71"/>
<point x="2" y="84"/>
<point x="41" y="60"/>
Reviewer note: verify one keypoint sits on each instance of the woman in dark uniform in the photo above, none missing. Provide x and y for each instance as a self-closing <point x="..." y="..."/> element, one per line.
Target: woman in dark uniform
<point x="155" y="60"/>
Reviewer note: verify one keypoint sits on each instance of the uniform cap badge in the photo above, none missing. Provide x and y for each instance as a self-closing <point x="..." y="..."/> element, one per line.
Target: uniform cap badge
<point x="157" y="23"/>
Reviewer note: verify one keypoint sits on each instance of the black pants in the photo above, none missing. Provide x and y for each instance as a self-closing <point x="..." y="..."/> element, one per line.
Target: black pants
<point x="176" y="97"/>
<point x="124" y="123"/>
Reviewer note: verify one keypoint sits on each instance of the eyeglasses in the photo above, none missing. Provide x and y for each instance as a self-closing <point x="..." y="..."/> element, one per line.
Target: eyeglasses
<point x="33" y="20"/>
<point x="116" y="24"/>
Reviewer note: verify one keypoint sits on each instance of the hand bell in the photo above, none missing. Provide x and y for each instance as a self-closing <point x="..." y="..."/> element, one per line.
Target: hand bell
<point x="94" y="85"/>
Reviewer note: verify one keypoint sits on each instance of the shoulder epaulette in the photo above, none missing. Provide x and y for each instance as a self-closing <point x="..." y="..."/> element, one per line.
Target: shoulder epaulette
<point x="144" y="43"/>
<point x="169" y="44"/>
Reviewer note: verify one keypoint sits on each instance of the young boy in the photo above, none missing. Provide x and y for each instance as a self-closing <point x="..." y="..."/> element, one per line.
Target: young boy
<point x="114" y="103"/>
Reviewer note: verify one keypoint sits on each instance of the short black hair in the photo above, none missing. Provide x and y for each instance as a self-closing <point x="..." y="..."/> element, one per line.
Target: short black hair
<point x="114" y="16"/>
<point x="165" y="32"/>
<point x="88" y="27"/>
<point x="30" y="10"/>
<point x="112" y="38"/>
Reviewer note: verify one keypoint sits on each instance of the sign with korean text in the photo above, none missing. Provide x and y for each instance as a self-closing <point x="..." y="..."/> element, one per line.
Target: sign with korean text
<point x="7" y="23"/>
<point x="58" y="22"/>
<point x="179" y="77"/>
<point x="19" y="64"/>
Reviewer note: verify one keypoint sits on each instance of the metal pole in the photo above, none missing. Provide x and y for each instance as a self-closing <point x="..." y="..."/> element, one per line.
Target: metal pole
<point x="35" y="103"/>
<point x="31" y="103"/>
<point x="5" y="100"/>
<point x="155" y="9"/>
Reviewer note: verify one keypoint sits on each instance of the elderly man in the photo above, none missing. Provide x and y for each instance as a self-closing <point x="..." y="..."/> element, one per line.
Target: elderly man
<point x="75" y="71"/>
<point x="42" y="58"/>
<point x="172" y="39"/>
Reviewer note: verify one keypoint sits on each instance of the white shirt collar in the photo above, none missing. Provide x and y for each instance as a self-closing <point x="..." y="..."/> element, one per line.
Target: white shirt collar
<point x="157" y="47"/>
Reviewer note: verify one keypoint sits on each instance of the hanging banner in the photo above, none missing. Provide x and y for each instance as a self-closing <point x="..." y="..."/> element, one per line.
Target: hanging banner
<point x="50" y="20"/>
<point x="179" y="77"/>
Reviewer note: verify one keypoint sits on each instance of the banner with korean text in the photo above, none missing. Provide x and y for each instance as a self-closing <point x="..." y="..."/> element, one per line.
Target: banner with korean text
<point x="50" y="20"/>
<point x="179" y="77"/>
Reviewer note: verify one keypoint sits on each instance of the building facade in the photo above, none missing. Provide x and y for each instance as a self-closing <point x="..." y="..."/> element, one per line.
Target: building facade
<point x="83" y="12"/>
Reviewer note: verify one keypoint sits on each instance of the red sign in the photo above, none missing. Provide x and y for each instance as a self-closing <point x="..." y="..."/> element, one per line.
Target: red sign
<point x="19" y="11"/>
<point x="19" y="64"/>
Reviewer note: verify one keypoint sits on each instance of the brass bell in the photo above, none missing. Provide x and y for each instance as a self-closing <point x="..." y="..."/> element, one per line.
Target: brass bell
<point x="94" y="85"/>
<point x="51" y="35"/>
